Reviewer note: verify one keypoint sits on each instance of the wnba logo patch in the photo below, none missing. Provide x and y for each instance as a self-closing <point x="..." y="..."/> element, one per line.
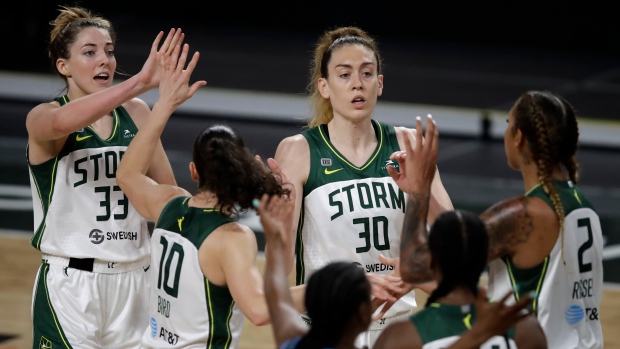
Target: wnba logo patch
<point x="326" y="162"/>
<point x="45" y="343"/>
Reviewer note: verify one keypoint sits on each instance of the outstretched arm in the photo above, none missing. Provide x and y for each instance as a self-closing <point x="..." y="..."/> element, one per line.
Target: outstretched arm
<point x="274" y="213"/>
<point x="48" y="123"/>
<point x="418" y="167"/>
<point x="146" y="195"/>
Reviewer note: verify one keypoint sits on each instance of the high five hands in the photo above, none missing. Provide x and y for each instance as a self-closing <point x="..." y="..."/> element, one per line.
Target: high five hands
<point x="174" y="88"/>
<point x="150" y="74"/>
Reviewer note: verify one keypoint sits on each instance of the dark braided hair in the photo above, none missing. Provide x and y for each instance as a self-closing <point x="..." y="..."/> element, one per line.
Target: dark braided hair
<point x="458" y="242"/>
<point x="334" y="294"/>
<point x="549" y="123"/>
<point x="227" y="168"/>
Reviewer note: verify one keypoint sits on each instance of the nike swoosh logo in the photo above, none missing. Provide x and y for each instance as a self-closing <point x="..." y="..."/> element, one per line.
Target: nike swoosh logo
<point x="328" y="172"/>
<point x="147" y="268"/>
<point x="79" y="139"/>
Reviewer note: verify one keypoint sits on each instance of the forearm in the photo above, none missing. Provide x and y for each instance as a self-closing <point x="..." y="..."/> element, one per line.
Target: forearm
<point x="140" y="153"/>
<point x="83" y="111"/>
<point x="414" y="251"/>
<point x="471" y="339"/>
<point x="283" y="307"/>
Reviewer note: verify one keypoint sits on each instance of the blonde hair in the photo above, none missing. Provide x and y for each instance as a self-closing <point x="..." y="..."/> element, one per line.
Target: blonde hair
<point x="321" y="108"/>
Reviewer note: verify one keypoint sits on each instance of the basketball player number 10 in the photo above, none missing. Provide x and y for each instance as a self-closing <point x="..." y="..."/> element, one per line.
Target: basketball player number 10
<point x="175" y="249"/>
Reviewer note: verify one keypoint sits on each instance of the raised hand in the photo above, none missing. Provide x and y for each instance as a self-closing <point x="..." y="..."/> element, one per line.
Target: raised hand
<point x="418" y="161"/>
<point x="494" y="318"/>
<point x="275" y="216"/>
<point x="174" y="88"/>
<point x="151" y="70"/>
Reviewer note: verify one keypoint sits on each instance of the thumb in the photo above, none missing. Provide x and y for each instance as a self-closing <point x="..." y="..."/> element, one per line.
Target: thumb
<point x="387" y="260"/>
<point x="392" y="172"/>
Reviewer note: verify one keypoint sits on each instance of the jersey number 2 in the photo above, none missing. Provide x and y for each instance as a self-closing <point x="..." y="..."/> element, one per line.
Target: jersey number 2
<point x="585" y="267"/>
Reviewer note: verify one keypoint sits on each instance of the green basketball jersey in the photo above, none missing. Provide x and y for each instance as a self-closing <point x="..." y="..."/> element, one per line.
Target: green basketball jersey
<point x="569" y="282"/>
<point x="79" y="209"/>
<point x="185" y="307"/>
<point x="350" y="213"/>
<point x="440" y="325"/>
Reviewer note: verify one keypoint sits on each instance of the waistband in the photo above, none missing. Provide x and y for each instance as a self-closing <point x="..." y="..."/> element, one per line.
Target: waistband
<point x="96" y="265"/>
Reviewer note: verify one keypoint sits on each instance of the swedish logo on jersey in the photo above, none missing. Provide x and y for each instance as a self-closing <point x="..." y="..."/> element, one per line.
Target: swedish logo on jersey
<point x="390" y="163"/>
<point x="45" y="343"/>
<point x="128" y="134"/>
<point x="326" y="162"/>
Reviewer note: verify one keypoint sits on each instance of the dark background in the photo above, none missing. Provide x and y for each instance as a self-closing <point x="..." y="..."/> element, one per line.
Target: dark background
<point x="474" y="55"/>
<point x="462" y="54"/>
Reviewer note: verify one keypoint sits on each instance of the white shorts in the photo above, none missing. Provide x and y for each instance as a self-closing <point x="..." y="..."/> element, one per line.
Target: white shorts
<point x="92" y="310"/>
<point x="376" y="327"/>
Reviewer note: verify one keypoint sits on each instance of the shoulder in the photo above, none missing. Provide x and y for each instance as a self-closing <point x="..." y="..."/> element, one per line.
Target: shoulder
<point x="234" y="233"/>
<point x="529" y="333"/>
<point x="43" y="107"/>
<point x="399" y="334"/>
<point x="292" y="148"/>
<point x="517" y="207"/>
<point x="402" y="133"/>
<point x="138" y="110"/>
<point x="297" y="140"/>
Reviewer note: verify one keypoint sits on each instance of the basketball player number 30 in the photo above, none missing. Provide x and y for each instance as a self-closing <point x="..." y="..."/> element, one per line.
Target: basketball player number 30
<point x="380" y="238"/>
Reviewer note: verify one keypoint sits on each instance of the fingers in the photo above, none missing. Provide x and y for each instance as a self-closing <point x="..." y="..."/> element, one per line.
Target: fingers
<point x="156" y="42"/>
<point x="173" y="39"/>
<point x="177" y="40"/>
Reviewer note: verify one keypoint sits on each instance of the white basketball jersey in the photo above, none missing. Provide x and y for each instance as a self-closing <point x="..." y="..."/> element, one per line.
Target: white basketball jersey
<point x="79" y="209"/>
<point x="569" y="282"/>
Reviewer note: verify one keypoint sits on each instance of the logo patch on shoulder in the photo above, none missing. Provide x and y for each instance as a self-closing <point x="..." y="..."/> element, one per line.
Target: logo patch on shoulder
<point x="326" y="162"/>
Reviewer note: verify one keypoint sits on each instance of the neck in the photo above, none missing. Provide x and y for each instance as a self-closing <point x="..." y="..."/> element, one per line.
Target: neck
<point x="458" y="296"/>
<point x="205" y="199"/>
<point x="531" y="179"/>
<point x="351" y="134"/>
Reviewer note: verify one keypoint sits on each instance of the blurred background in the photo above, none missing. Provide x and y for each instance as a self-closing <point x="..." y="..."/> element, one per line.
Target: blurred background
<point x="465" y="63"/>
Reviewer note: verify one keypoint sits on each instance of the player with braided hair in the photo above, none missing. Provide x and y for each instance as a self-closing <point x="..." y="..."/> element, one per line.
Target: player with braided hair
<point x="548" y="240"/>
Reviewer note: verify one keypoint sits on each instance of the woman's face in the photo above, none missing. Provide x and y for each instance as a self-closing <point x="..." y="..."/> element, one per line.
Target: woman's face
<point x="353" y="84"/>
<point x="91" y="65"/>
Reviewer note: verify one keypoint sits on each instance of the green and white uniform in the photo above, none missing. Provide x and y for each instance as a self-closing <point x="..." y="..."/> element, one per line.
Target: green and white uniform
<point x="351" y="213"/>
<point x="569" y="281"/>
<point x="186" y="309"/>
<point x="440" y="325"/>
<point x="92" y="240"/>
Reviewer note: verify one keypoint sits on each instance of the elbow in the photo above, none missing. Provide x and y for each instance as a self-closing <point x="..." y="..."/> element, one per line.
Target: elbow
<point x="121" y="178"/>
<point x="411" y="275"/>
<point x="258" y="317"/>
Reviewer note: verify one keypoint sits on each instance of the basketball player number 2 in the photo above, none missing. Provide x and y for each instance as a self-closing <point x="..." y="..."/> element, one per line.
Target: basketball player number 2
<point x="176" y="252"/>
<point x="379" y="227"/>
<point x="584" y="267"/>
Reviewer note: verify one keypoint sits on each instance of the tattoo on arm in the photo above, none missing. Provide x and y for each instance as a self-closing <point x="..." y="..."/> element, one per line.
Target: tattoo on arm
<point x="414" y="251"/>
<point x="508" y="224"/>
